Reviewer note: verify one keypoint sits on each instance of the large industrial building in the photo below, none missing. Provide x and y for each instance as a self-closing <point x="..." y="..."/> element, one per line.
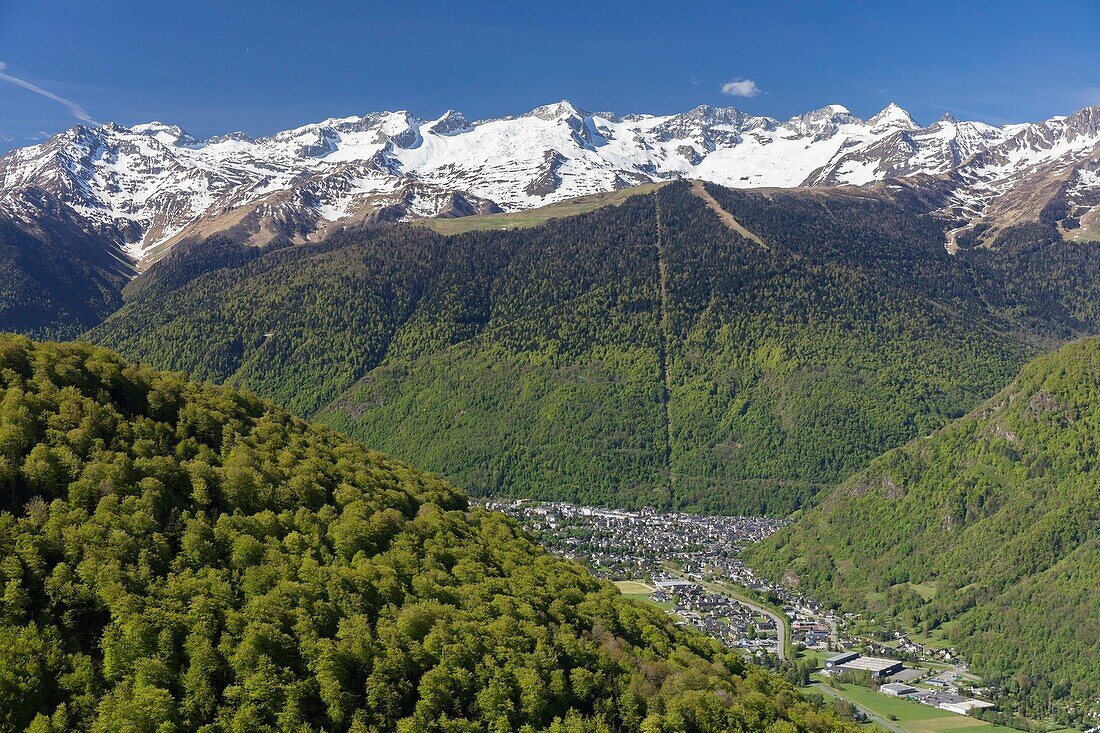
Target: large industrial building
<point x="897" y="689"/>
<point x="854" y="662"/>
<point x="839" y="659"/>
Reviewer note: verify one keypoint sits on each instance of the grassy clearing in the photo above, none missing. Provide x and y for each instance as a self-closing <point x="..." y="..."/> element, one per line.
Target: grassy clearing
<point x="937" y="638"/>
<point x="633" y="588"/>
<point x="906" y="711"/>
<point x="875" y="600"/>
<point x="1089" y="231"/>
<point x="927" y="591"/>
<point x="818" y="655"/>
<point x="534" y="217"/>
<point x="1091" y="234"/>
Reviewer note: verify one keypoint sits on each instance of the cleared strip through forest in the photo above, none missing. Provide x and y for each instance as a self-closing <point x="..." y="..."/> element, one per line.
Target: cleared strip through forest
<point x="662" y="270"/>
<point x="701" y="191"/>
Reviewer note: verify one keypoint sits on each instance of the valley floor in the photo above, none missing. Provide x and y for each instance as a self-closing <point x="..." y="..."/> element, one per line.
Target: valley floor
<point x="688" y="566"/>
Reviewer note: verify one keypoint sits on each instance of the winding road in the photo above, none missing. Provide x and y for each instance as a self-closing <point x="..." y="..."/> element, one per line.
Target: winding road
<point x="782" y="629"/>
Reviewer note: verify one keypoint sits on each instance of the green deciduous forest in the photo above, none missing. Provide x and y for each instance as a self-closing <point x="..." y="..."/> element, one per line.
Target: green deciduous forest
<point x="185" y="557"/>
<point x="538" y="362"/>
<point x="996" y="518"/>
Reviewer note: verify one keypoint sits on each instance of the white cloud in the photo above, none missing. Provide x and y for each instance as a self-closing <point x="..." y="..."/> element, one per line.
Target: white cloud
<point x="741" y="88"/>
<point x="77" y="111"/>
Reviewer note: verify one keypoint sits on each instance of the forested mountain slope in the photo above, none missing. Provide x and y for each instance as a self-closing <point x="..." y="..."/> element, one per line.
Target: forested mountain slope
<point x="989" y="528"/>
<point x="645" y="353"/>
<point x="56" y="279"/>
<point x="180" y="557"/>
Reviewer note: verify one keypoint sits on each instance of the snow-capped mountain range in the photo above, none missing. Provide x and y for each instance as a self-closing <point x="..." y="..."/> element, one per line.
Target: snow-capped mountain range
<point x="149" y="186"/>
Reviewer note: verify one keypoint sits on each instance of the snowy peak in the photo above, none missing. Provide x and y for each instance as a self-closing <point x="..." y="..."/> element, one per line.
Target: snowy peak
<point x="148" y="186"/>
<point x="823" y="122"/>
<point x="707" y="115"/>
<point x="892" y="117"/>
<point x="557" y="111"/>
<point x="1044" y="172"/>
<point x="829" y="111"/>
<point x="164" y="134"/>
<point x="450" y="123"/>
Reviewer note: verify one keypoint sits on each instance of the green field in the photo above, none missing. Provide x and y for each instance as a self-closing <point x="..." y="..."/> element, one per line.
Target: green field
<point x="633" y="588"/>
<point x="638" y="591"/>
<point x="818" y="655"/>
<point x="912" y="716"/>
<point x="534" y="217"/>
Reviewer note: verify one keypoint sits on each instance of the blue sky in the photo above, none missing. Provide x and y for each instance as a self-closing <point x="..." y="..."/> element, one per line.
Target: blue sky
<point x="265" y="66"/>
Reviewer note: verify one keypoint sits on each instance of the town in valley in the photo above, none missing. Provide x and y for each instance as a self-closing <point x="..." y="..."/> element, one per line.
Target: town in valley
<point x="688" y="565"/>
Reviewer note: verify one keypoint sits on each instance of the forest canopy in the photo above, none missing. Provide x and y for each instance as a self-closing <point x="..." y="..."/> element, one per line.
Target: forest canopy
<point x="185" y="557"/>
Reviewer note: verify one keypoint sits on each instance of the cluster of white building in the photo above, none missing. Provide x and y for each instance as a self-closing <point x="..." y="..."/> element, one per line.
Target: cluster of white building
<point x="946" y="698"/>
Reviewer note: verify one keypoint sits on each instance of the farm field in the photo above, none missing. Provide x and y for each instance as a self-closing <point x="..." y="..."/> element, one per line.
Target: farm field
<point x="632" y="588"/>
<point x="641" y="592"/>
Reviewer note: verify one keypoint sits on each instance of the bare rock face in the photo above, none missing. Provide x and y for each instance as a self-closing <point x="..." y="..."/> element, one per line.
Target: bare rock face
<point x="144" y="188"/>
<point x="690" y="154"/>
<point x="547" y="180"/>
<point x="463" y="204"/>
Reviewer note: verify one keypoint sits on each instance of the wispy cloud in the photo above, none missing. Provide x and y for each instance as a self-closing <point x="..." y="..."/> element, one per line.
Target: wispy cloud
<point x="75" y="109"/>
<point x="5" y="139"/>
<point x="1091" y="96"/>
<point x="741" y="88"/>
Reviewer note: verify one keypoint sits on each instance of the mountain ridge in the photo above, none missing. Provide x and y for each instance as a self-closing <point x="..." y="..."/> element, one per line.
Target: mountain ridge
<point x="151" y="185"/>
